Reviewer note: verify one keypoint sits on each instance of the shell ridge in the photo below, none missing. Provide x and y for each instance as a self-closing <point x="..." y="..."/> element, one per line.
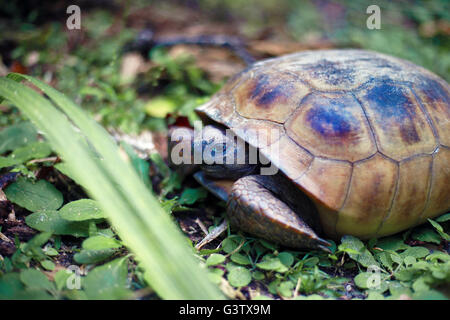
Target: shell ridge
<point x="372" y="132"/>
<point x="296" y="109"/>
<point x="391" y="206"/>
<point x="427" y="115"/>
<point x="303" y="173"/>
<point x="339" y="212"/>
<point x="430" y="187"/>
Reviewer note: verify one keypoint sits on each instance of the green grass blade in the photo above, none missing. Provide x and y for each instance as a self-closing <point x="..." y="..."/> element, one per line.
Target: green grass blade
<point x="134" y="212"/>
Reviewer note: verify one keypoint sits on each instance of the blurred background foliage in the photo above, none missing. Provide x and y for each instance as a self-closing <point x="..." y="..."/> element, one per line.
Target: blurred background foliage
<point x="88" y="64"/>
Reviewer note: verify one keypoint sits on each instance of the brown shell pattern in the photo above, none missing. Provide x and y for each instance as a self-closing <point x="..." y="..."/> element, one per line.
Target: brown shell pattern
<point x="365" y="135"/>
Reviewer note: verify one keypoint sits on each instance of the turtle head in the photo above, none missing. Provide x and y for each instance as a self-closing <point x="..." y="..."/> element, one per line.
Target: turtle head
<point x="216" y="150"/>
<point x="222" y="153"/>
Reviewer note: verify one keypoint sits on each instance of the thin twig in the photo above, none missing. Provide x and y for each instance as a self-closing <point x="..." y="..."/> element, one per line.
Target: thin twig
<point x="42" y="160"/>
<point x="297" y="287"/>
<point x="216" y="232"/>
<point x="5" y="238"/>
<point x="202" y="226"/>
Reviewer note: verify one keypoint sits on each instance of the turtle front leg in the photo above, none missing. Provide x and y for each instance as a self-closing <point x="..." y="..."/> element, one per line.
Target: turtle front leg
<point x="255" y="209"/>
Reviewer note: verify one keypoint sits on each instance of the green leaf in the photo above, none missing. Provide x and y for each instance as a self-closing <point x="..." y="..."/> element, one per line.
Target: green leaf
<point x="396" y="258"/>
<point x="140" y="165"/>
<point x="35" y="279"/>
<point x="10" y="285"/>
<point x="100" y="243"/>
<point x="7" y="162"/>
<point x="375" y="295"/>
<point x="371" y="280"/>
<point x="363" y="256"/>
<point x="269" y="245"/>
<point x="440" y="230"/>
<point x="92" y="91"/>
<point x="438" y="256"/>
<point x="61" y="277"/>
<point x="272" y="264"/>
<point x="30" y="151"/>
<point x="159" y="107"/>
<point x="258" y="275"/>
<point x="286" y="258"/>
<point x="93" y="256"/>
<point x="215" y="259"/>
<point x="362" y="279"/>
<point x="416" y="252"/>
<point x="230" y="244"/>
<point x="311" y="262"/>
<point x="215" y="275"/>
<point x="442" y="274"/>
<point x="396" y="288"/>
<point x="385" y="259"/>
<point x="393" y="243"/>
<point x="409" y="260"/>
<point x="48" y="265"/>
<point x="51" y="221"/>
<point x="429" y="295"/>
<point x="37" y="241"/>
<point x="16" y="136"/>
<point x="80" y="210"/>
<point x="405" y="274"/>
<point x="192" y="195"/>
<point x="285" y="289"/>
<point x="239" y="277"/>
<point x="426" y="235"/>
<point x="108" y="282"/>
<point x="41" y="195"/>
<point x="420" y="285"/>
<point x="50" y="251"/>
<point x="444" y="218"/>
<point x="240" y="259"/>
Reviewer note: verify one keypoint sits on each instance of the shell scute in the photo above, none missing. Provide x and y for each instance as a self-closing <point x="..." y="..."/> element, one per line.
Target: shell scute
<point x="332" y="125"/>
<point x="369" y="199"/>
<point x="269" y="96"/>
<point x="439" y="199"/>
<point x="400" y="126"/>
<point x="411" y="195"/>
<point x="435" y="97"/>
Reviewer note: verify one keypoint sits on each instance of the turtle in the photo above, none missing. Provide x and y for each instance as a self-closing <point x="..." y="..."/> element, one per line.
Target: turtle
<point x="360" y="143"/>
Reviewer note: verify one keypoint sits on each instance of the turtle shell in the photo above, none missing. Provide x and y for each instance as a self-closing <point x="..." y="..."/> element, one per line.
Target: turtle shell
<point x="366" y="136"/>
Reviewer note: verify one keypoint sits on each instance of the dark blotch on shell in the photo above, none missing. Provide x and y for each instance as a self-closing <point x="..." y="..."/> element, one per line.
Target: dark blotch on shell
<point x="333" y="121"/>
<point x="393" y="105"/>
<point x="435" y="92"/>
<point x="264" y="93"/>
